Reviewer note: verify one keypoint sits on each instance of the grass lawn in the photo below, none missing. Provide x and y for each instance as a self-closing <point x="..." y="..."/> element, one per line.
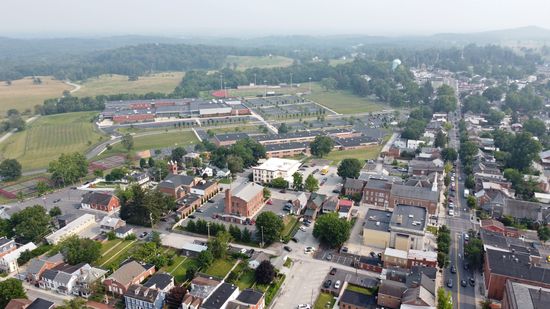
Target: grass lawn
<point x="118" y="254"/>
<point x="335" y="62"/>
<point x="324" y="300"/>
<point x="359" y="289"/>
<point x="344" y="102"/>
<point x="23" y="94"/>
<point x="369" y="153"/>
<point x="247" y="279"/>
<point x="220" y="268"/>
<point x="160" y="140"/>
<point x="247" y="62"/>
<point x="115" y="84"/>
<point x="179" y="267"/>
<point x="109" y="244"/>
<point x="290" y="223"/>
<point x="49" y="136"/>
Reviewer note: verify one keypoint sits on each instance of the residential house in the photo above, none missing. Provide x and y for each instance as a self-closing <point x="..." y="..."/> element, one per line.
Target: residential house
<point x="314" y="205"/>
<point x="141" y="297"/>
<point x="8" y="261"/>
<point x="353" y="187"/>
<point x="110" y="224"/>
<point x="257" y="258"/>
<point x="201" y="287"/>
<point x="395" y="258"/>
<point x="39" y="265"/>
<point x="219" y="299"/>
<point x="71" y="279"/>
<point x="519" y="296"/>
<point x="192" y="250"/>
<point x="344" y="210"/>
<point x="6" y="246"/>
<point x="350" y="299"/>
<point x="124" y="231"/>
<point x="421" y="258"/>
<point x="18" y="303"/>
<point x="161" y="281"/>
<point x="101" y="201"/>
<point x="248" y="299"/>
<point x="206" y="189"/>
<point x="40" y="303"/>
<point x="177" y="185"/>
<point x="129" y="273"/>
<point x="73" y="228"/>
<point x="545" y="158"/>
<point x="332" y="204"/>
<point x="390" y="294"/>
<point x="243" y="202"/>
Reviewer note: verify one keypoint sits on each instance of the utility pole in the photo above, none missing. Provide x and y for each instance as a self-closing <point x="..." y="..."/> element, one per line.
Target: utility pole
<point x="221" y="81"/>
<point x="262" y="236"/>
<point x="310" y="85"/>
<point x="265" y="84"/>
<point x="151" y="219"/>
<point x="255" y="80"/>
<point x="208" y="227"/>
<point x="290" y="79"/>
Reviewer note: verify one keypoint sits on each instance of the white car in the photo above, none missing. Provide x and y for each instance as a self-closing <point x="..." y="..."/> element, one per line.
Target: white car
<point x="304" y="306"/>
<point x="309" y="250"/>
<point x="451" y="212"/>
<point x="302" y="228"/>
<point x="337" y="284"/>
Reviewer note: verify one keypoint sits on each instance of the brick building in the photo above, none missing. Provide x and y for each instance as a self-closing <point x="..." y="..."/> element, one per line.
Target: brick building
<point x="243" y="202"/>
<point x="100" y="201"/>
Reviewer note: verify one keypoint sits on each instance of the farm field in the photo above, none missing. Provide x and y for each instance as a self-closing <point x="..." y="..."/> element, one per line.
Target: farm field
<point x="343" y="102"/>
<point x="49" y="136"/>
<point x="369" y="153"/>
<point x="115" y="84"/>
<point x="23" y="94"/>
<point x="247" y="62"/>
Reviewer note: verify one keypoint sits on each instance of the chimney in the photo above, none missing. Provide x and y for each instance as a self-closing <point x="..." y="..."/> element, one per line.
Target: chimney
<point x="227" y="202"/>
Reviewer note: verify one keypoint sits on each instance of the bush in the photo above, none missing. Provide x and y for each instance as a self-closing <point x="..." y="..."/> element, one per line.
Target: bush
<point x="131" y="237"/>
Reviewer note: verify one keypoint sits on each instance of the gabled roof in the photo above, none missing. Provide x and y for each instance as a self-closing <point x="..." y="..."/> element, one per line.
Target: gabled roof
<point x="41" y="303"/>
<point x="352" y="183"/>
<point x="392" y="288"/>
<point x="522" y="209"/>
<point x="250" y="296"/>
<point x="414" y="192"/>
<point x="100" y="198"/>
<point x="159" y="281"/>
<point x="247" y="191"/>
<point x="127" y="272"/>
<point x="173" y="181"/>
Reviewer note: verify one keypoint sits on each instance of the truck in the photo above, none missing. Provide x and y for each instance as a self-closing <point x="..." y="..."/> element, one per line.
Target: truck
<point x="466" y="193"/>
<point x="324" y="171"/>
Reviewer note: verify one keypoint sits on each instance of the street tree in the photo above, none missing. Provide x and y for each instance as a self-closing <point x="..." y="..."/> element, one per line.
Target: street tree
<point x="11" y="289"/>
<point x="265" y="272"/>
<point x="444" y="299"/>
<point x="128" y="141"/>
<point x="10" y="169"/>
<point x="298" y="181"/>
<point x="269" y="227"/>
<point x="471" y="201"/>
<point x="283" y="128"/>
<point x="279" y="183"/>
<point x="440" y="139"/>
<point x="77" y="250"/>
<point x="311" y="184"/>
<point x="544" y="233"/>
<point x="54" y="212"/>
<point x="473" y="250"/>
<point x="331" y="230"/>
<point x="31" y="224"/>
<point x="68" y="168"/>
<point x="321" y="146"/>
<point x="218" y="245"/>
<point x="449" y="154"/>
<point x="349" y="168"/>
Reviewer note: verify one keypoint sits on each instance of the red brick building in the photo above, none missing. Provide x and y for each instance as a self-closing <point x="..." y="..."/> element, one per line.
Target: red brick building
<point x="100" y="201"/>
<point x="128" y="274"/>
<point x="243" y="202"/>
<point x="177" y="185"/>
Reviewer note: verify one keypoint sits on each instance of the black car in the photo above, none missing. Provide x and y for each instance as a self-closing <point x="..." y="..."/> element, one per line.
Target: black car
<point x="453" y="270"/>
<point x="333" y="271"/>
<point x="294" y="239"/>
<point x="466" y="266"/>
<point x="450" y="283"/>
<point x="191" y="217"/>
<point x="287" y="248"/>
<point x="211" y="201"/>
<point x="57" y="200"/>
<point x="327" y="284"/>
<point x="335" y="191"/>
<point x="472" y="281"/>
<point x="463" y="283"/>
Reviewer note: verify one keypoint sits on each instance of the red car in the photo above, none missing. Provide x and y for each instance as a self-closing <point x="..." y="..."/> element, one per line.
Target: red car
<point x="269" y="202"/>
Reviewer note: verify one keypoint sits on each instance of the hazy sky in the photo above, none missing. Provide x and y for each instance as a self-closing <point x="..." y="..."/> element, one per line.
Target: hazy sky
<point x="262" y="17"/>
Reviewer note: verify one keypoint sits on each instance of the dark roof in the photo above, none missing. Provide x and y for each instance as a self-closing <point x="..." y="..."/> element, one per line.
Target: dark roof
<point x="250" y="296"/>
<point x="409" y="217"/>
<point x="511" y="244"/>
<point x="230" y="137"/>
<point x="4" y="241"/>
<point x="49" y="274"/>
<point x="123" y="229"/>
<point x="220" y="296"/>
<point x="358" y="299"/>
<point x="417" y="272"/>
<point x="173" y="181"/>
<point x="352" y="183"/>
<point x="41" y="303"/>
<point x="392" y="288"/>
<point x="378" y="184"/>
<point x="286" y="146"/>
<point x="527" y="296"/>
<point x="204" y="185"/>
<point x="317" y="199"/>
<point x="159" y="281"/>
<point x="355" y="141"/>
<point x="188" y="199"/>
<point x="138" y="291"/>
<point x="93" y="197"/>
<point x="515" y="265"/>
<point x="378" y="220"/>
<point x="414" y="192"/>
<point x="331" y="204"/>
<point x="275" y="137"/>
<point x="522" y="209"/>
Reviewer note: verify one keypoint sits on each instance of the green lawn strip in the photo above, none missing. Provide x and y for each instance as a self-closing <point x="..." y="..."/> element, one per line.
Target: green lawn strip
<point x="179" y="272"/>
<point x="220" y="268"/>
<point x="109" y="245"/>
<point x="271" y="290"/>
<point x="324" y="300"/>
<point x="290" y="226"/>
<point x="369" y="153"/>
<point x="110" y="257"/>
<point x="359" y="289"/>
<point x="344" y="102"/>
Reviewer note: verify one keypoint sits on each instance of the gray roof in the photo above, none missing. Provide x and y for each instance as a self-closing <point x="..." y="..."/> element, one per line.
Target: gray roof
<point x="527" y="296"/>
<point x="137" y="291"/>
<point x="231" y="137"/>
<point x="377" y="184"/>
<point x="173" y="181"/>
<point x="127" y="272"/>
<point x="317" y="199"/>
<point x="220" y="296"/>
<point x="358" y="299"/>
<point x="159" y="281"/>
<point x="354" y="141"/>
<point x="41" y="303"/>
<point x="4" y="241"/>
<point x="250" y="296"/>
<point x="331" y="204"/>
<point x="522" y="209"/>
<point x="378" y="220"/>
<point x="63" y="278"/>
<point x="286" y="146"/>
<point x="515" y="265"/>
<point x="100" y="198"/>
<point x="352" y="183"/>
<point x="392" y="288"/>
<point x="409" y="217"/>
<point x="414" y="192"/>
<point x="49" y="274"/>
<point x="124" y="229"/>
<point x="247" y="191"/>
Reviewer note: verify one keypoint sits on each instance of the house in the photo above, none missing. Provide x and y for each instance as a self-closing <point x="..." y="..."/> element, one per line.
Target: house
<point x="344" y="210"/>
<point x="332" y="204"/>
<point x="188" y="204"/>
<point x="177" y="185"/>
<point x="38" y="265"/>
<point x="422" y="197"/>
<point x="202" y="287"/>
<point x="40" y="303"/>
<point x="129" y="273"/>
<point x="377" y="192"/>
<point x="124" y="231"/>
<point x="395" y="258"/>
<point x="371" y="263"/>
<point x="18" y="303"/>
<point x="221" y="296"/>
<point x="101" y="201"/>
<point x="351" y="299"/>
<point x="208" y="171"/>
<point x="390" y="294"/>
<point x="257" y="258"/>
<point x="109" y="224"/>
<point x="71" y="279"/>
<point x="141" y="297"/>
<point x="223" y="173"/>
<point x="523" y="209"/>
<point x="140" y="179"/>
<point x="8" y="261"/>
<point x="190" y="158"/>
<point x="274" y="168"/>
<point x="425" y="167"/>
<point x="73" y="228"/>
<point x="353" y="186"/>
<point x="6" y="246"/>
<point x="248" y="299"/>
<point x="418" y="296"/>
<point x="228" y="139"/>
<point x="519" y="295"/>
<point x="545" y="158"/>
<point x="63" y="220"/>
<point x="243" y="202"/>
<point x="421" y="258"/>
<point x="206" y="189"/>
<point x="192" y="250"/>
<point x="314" y="205"/>
<point x="161" y="281"/>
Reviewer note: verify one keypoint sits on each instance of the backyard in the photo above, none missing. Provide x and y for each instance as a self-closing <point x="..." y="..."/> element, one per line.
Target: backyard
<point x="325" y="300"/>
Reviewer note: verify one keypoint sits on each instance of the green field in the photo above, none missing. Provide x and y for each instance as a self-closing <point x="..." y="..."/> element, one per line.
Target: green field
<point x="246" y="62"/>
<point x="49" y="136"/>
<point x="324" y="300"/>
<point x="370" y="153"/>
<point x="343" y="102"/>
<point x="115" y="84"/>
<point x="335" y="62"/>
<point x="220" y="268"/>
<point x="160" y="140"/>
<point x="117" y="254"/>
<point x="22" y="94"/>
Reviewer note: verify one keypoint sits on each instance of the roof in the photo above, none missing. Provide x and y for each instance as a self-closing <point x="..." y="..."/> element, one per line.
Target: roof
<point x="355" y="141"/>
<point x="522" y="209"/>
<point x="331" y="204"/>
<point x="286" y="146"/>
<point x="358" y="299"/>
<point x="250" y="296"/>
<point x="247" y="191"/>
<point x="173" y="181"/>
<point x="5" y="241"/>
<point x="230" y="137"/>
<point x="378" y="184"/>
<point x="392" y="288"/>
<point x="18" y="303"/>
<point x="415" y="276"/>
<point x="14" y="255"/>
<point x="49" y="274"/>
<point x="515" y="265"/>
<point x="422" y="255"/>
<point x="418" y="293"/>
<point x="378" y="220"/>
<point x="137" y="291"/>
<point x="63" y="278"/>
<point x="109" y="221"/>
<point x="193" y="247"/>
<point x="159" y="281"/>
<point x="491" y="222"/>
<point x="124" y="229"/>
<point x="395" y="253"/>
<point x="352" y="183"/>
<point x="220" y="296"/>
<point x="527" y="296"/>
<point x="94" y="197"/>
<point x="260" y="256"/>
<point x="414" y="192"/>
<point x="57" y="235"/>
<point x="409" y="217"/>
<point x="278" y="164"/>
<point x="317" y="199"/>
<point x="40" y="303"/>
<point x="127" y="272"/>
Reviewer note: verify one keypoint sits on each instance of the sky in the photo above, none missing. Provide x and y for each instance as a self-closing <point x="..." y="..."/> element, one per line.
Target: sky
<point x="248" y="18"/>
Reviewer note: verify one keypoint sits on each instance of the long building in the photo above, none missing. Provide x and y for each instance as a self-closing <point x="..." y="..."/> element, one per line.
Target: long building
<point x="275" y="168"/>
<point x="73" y="228"/>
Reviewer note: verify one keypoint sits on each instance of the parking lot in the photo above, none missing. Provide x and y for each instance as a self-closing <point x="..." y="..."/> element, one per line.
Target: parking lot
<point x="334" y="256"/>
<point x="346" y="276"/>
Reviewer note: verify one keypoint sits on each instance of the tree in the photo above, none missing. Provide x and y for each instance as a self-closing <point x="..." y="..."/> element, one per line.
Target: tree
<point x="190" y="273"/>
<point x="349" y="168"/>
<point x="493" y="94"/>
<point x="127" y="141"/>
<point x="279" y="183"/>
<point x="524" y="151"/>
<point x="31" y="224"/>
<point x="155" y="237"/>
<point x="449" y="154"/>
<point x="440" y="139"/>
<point x="266" y="193"/>
<point x="151" y="162"/>
<point x="331" y="230"/>
<point x="444" y="299"/>
<point x="205" y="259"/>
<point x="269" y="227"/>
<point x="311" y="184"/>
<point x="329" y="83"/>
<point x="473" y="250"/>
<point x="246" y="235"/>
<point x="283" y="128"/>
<point x="535" y="127"/>
<point x="265" y="272"/>
<point x="470" y="182"/>
<point x="544" y="233"/>
<point x="77" y="250"/>
<point x="218" y="245"/>
<point x="143" y="207"/>
<point x="298" y="181"/>
<point x="54" y="212"/>
<point x="472" y="202"/>
<point x="68" y="168"/>
<point x="10" y="169"/>
<point x="177" y="154"/>
<point x="42" y="187"/>
<point x="235" y="232"/>
<point x="142" y="163"/>
<point x="442" y="259"/>
<point x="321" y="146"/>
<point x="235" y="164"/>
<point x="73" y="303"/>
<point x="10" y="289"/>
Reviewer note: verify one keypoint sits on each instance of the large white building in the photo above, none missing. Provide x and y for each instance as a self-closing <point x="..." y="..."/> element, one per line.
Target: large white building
<point x="73" y="228"/>
<point x="274" y="168"/>
<point x="8" y="262"/>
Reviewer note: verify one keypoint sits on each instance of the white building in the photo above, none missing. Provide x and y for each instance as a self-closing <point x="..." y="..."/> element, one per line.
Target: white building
<point x="73" y="228"/>
<point x="8" y="262"/>
<point x="274" y="168"/>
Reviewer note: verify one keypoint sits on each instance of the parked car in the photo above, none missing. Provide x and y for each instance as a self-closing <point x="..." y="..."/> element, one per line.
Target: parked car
<point x="453" y="269"/>
<point x="302" y="228"/>
<point x="336" y="191"/>
<point x="472" y="281"/>
<point x="329" y="257"/>
<point x="327" y="284"/>
<point x="200" y="210"/>
<point x="287" y="248"/>
<point x="191" y="217"/>
<point x="337" y="284"/>
<point x="304" y="306"/>
<point x="56" y="200"/>
<point x="333" y="271"/>
<point x="294" y="239"/>
<point x="450" y="283"/>
<point x="144" y="234"/>
<point x="211" y="201"/>
<point x="463" y="283"/>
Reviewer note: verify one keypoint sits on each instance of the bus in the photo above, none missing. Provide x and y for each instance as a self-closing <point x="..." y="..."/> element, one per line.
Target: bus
<point x="324" y="171"/>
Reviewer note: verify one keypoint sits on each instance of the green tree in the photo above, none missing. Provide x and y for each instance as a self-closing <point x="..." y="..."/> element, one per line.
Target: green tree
<point x="77" y="250"/>
<point x="470" y="182"/>
<point x="246" y="236"/>
<point x="142" y="163"/>
<point x="177" y="154"/>
<point x="449" y="154"/>
<point x="269" y="227"/>
<point x="235" y="232"/>
<point x="444" y="299"/>
<point x="68" y="168"/>
<point x="54" y="212"/>
<point x="235" y="164"/>
<point x="10" y="289"/>
<point x="524" y="151"/>
<point x="311" y="184"/>
<point x="298" y="181"/>
<point x="10" y="169"/>
<point x="473" y="251"/>
<point x="544" y="233"/>
<point x="321" y="146"/>
<point x="440" y="139"/>
<point x="42" y="188"/>
<point x="471" y="201"/>
<point x="142" y="206"/>
<point x="493" y="94"/>
<point x="31" y="224"/>
<point x="218" y="245"/>
<point x="73" y="303"/>
<point x="349" y="168"/>
<point x="331" y="230"/>
<point x="127" y="141"/>
<point x="155" y="237"/>
<point x="190" y="273"/>
<point x="535" y="127"/>
<point x="205" y="259"/>
<point x="265" y="272"/>
<point x="279" y="183"/>
<point x="266" y="193"/>
<point x="328" y="83"/>
<point x="151" y="162"/>
<point x="283" y="128"/>
<point x="442" y="259"/>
